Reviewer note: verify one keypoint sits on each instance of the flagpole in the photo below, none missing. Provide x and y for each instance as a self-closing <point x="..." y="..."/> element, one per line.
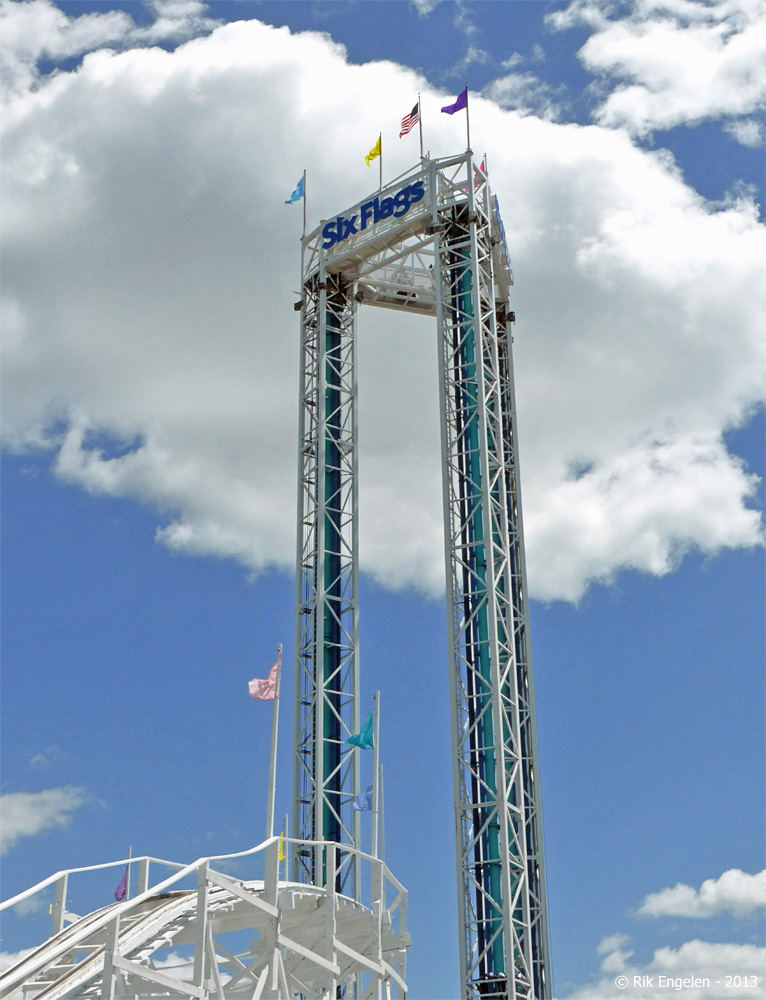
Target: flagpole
<point x="467" y="121"/>
<point x="375" y="786"/>
<point x="380" y="140"/>
<point x="304" y="209"/>
<point x="127" y="880"/>
<point x="273" y="762"/>
<point x="382" y="823"/>
<point x="420" y="127"/>
<point x="284" y="846"/>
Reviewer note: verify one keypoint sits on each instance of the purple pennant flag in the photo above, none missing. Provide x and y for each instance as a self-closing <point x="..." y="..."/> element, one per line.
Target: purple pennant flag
<point x="122" y="888"/>
<point x="459" y="105"/>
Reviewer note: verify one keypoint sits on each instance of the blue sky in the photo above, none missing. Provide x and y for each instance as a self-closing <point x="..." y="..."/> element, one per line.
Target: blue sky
<point x="150" y="374"/>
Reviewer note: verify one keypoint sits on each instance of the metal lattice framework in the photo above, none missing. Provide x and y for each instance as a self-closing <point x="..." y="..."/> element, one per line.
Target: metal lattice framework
<point x="327" y="667"/>
<point x="200" y="933"/>
<point x="434" y="245"/>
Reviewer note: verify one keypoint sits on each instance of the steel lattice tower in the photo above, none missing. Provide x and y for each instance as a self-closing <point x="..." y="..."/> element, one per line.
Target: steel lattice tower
<point x="432" y="243"/>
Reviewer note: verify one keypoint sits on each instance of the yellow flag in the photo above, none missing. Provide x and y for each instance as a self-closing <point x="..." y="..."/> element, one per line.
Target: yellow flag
<point x="375" y="151"/>
<point x="281" y="856"/>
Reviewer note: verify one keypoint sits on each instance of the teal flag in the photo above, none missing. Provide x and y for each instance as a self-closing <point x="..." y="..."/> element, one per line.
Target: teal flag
<point x="363" y="739"/>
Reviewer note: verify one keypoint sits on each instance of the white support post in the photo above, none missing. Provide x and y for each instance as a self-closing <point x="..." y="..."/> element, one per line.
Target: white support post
<point x="330" y="920"/>
<point x="111" y="945"/>
<point x="143" y="875"/>
<point x="58" y="907"/>
<point x="127" y="873"/>
<point x="201" y="926"/>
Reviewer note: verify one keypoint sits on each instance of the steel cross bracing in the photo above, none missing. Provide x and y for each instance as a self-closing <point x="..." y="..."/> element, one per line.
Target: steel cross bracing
<point x="327" y="670"/>
<point x="204" y="934"/>
<point x="444" y="256"/>
<point x="499" y="847"/>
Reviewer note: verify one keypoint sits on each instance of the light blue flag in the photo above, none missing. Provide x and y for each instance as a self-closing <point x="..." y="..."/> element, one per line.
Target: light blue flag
<point x="297" y="193"/>
<point x="363" y="739"/>
<point x="363" y="803"/>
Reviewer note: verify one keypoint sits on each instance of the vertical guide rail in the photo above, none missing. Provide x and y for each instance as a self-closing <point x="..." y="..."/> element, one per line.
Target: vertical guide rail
<point x="325" y="771"/>
<point x="498" y="848"/>
<point x="538" y="904"/>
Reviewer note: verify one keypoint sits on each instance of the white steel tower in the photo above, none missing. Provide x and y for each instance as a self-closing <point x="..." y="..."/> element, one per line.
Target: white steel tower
<point x="431" y="242"/>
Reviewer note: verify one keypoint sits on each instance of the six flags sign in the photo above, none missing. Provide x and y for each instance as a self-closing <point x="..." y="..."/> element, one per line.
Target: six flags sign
<point x="372" y="212"/>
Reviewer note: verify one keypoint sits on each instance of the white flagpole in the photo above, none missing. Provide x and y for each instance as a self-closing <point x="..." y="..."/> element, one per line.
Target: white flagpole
<point x="304" y="215"/>
<point x="467" y="121"/>
<point x="380" y="140"/>
<point x="375" y="764"/>
<point x="382" y="823"/>
<point x="286" y="828"/>
<point x="420" y="125"/>
<point x="273" y="762"/>
<point x="127" y="880"/>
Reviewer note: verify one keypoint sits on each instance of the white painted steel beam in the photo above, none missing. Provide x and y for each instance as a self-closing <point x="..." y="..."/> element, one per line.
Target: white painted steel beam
<point x="310" y="940"/>
<point x="432" y="242"/>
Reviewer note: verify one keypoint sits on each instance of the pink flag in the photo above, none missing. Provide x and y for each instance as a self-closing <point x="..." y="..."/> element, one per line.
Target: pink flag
<point x="266" y="690"/>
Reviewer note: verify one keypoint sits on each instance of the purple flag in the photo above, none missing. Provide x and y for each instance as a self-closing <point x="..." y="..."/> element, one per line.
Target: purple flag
<point x="459" y="105"/>
<point x="122" y="888"/>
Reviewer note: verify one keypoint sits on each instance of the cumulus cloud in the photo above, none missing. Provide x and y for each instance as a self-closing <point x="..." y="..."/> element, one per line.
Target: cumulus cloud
<point x="674" y="61"/>
<point x="24" y="814"/>
<point x="735" y="892"/>
<point x="37" y="30"/>
<point x="698" y="970"/>
<point x="150" y="268"/>
<point x="701" y="970"/>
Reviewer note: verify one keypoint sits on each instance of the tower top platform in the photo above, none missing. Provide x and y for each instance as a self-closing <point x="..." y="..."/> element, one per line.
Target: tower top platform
<point x="390" y="234"/>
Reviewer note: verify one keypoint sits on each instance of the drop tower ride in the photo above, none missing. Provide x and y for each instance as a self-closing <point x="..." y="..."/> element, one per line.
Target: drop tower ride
<point x="432" y="242"/>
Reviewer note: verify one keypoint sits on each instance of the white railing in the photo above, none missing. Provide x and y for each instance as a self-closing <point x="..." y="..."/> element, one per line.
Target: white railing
<point x="385" y="893"/>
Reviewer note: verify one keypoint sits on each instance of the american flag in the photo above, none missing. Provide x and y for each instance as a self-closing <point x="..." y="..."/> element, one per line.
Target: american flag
<point x="409" y="121"/>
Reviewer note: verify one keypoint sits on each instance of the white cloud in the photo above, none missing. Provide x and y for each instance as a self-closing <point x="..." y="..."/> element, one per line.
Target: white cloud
<point x="24" y="814"/>
<point x="525" y="93"/>
<point x="697" y="970"/>
<point x="10" y="958"/>
<point x="735" y="892"/>
<point x="149" y="269"/>
<point x="674" y="61"/>
<point x="45" y="757"/>
<point x="37" y="29"/>
<point x="616" y="953"/>
<point x="748" y="132"/>
<point x="424" y="7"/>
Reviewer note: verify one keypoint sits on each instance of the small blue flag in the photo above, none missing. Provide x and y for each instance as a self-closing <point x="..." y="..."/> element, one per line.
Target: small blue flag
<point x="363" y="803"/>
<point x="363" y="739"/>
<point x="297" y="193"/>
